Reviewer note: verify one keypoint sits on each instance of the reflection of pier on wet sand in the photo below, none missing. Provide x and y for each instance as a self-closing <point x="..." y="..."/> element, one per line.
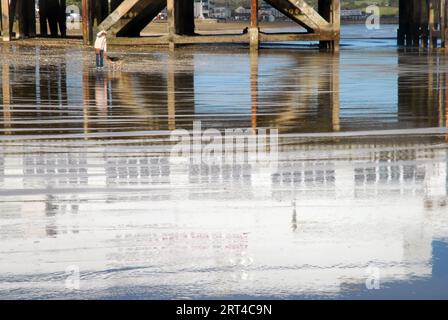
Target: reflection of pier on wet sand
<point x="87" y="177"/>
<point x="168" y="96"/>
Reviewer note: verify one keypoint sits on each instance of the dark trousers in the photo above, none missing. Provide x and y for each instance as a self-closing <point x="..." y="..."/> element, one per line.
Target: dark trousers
<point x="100" y="59"/>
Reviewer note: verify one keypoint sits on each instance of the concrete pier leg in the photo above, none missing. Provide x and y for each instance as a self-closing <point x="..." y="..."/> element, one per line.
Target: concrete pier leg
<point x="415" y="29"/>
<point x="26" y="18"/>
<point x="170" y="7"/>
<point x="31" y="18"/>
<point x="402" y="22"/>
<point x="330" y="10"/>
<point x="180" y="19"/>
<point x="1" y="17"/>
<point x="254" y="30"/>
<point x="20" y="9"/>
<point x="336" y="21"/>
<point x="87" y="26"/>
<point x="43" y="18"/>
<point x="52" y="10"/>
<point x="12" y="14"/>
<point x="443" y="24"/>
<point x="424" y="24"/>
<point x="62" y="18"/>
<point x="431" y="24"/>
<point x="184" y="17"/>
<point x="101" y="11"/>
<point x="6" y="35"/>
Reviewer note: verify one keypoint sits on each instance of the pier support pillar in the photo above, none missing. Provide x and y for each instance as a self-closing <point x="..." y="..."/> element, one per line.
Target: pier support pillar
<point x="26" y="18"/>
<point x="180" y="19"/>
<point x="87" y="25"/>
<point x="422" y="23"/>
<point x="184" y="17"/>
<point x="6" y="32"/>
<point x="330" y="10"/>
<point x="43" y="18"/>
<point x="254" y="30"/>
<point x="62" y="18"/>
<point x="443" y="24"/>
<point x="402" y="23"/>
<point x="101" y="11"/>
<point x="170" y="7"/>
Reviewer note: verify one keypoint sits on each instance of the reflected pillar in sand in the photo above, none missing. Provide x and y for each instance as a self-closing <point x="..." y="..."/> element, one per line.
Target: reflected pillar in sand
<point x="335" y="93"/>
<point x="180" y="90"/>
<point x="446" y="117"/>
<point x="6" y="93"/>
<point x="86" y="95"/>
<point x="171" y="93"/>
<point x="329" y="94"/>
<point x="254" y="86"/>
<point x="422" y="102"/>
<point x="6" y="35"/>
<point x="254" y="30"/>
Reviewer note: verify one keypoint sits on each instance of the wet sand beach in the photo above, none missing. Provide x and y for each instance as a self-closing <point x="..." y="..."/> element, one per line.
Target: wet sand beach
<point x="358" y="188"/>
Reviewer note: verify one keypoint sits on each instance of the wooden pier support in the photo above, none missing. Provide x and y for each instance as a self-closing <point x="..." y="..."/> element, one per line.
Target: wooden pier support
<point x="330" y="10"/>
<point x="254" y="30"/>
<point x="18" y="19"/>
<point x="6" y="32"/>
<point x="422" y="23"/>
<point x="52" y="17"/>
<point x="87" y="22"/>
<point x="180" y="19"/>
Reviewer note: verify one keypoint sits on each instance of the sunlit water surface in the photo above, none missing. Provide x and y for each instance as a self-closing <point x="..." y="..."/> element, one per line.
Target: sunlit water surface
<point x="357" y="196"/>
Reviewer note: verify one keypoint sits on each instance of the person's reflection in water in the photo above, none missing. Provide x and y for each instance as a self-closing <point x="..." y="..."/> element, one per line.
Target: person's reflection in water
<point x="101" y="96"/>
<point x="294" y="217"/>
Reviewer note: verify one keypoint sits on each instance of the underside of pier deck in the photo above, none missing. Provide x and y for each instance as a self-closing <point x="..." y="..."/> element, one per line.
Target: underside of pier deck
<point x="125" y="19"/>
<point x="130" y="17"/>
<point x="421" y="23"/>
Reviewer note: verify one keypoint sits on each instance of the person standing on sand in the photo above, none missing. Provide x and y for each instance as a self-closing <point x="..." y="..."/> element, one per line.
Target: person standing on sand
<point x="100" y="48"/>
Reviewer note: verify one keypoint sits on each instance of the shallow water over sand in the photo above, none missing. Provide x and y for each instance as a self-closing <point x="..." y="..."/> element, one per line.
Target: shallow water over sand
<point x="359" y="190"/>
